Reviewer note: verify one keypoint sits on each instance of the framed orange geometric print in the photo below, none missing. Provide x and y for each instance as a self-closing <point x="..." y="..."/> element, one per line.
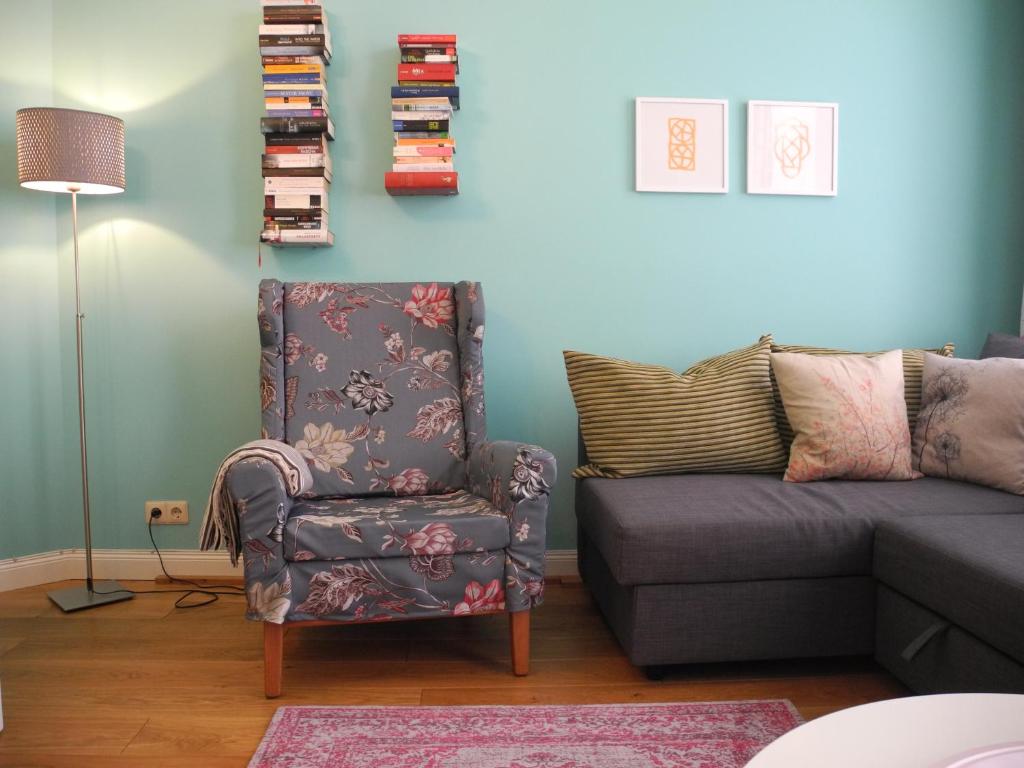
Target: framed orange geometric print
<point x="682" y="145"/>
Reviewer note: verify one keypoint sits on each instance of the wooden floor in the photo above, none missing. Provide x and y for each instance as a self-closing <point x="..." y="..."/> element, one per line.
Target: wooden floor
<point x="142" y="684"/>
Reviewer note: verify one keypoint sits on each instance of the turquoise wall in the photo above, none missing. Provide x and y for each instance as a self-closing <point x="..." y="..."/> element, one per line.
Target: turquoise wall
<point x="924" y="243"/>
<point x="38" y="498"/>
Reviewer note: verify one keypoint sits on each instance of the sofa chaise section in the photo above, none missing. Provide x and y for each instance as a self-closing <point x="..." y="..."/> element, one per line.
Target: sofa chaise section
<point x="951" y="602"/>
<point x="718" y="567"/>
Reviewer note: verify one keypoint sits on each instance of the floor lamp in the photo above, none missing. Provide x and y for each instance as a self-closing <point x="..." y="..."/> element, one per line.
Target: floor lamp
<point x="68" y="150"/>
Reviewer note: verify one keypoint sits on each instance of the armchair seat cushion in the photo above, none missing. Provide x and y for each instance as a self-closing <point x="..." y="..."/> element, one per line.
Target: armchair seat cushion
<point x="404" y="526"/>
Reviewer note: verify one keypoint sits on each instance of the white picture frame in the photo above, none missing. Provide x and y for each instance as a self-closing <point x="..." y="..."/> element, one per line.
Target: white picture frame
<point x="682" y="145"/>
<point x="793" y="148"/>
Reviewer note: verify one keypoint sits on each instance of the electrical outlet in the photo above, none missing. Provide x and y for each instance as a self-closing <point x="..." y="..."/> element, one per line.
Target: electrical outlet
<point x="170" y="512"/>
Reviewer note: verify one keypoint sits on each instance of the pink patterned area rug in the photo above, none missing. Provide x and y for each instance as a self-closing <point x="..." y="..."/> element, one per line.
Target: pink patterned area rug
<point x="704" y="735"/>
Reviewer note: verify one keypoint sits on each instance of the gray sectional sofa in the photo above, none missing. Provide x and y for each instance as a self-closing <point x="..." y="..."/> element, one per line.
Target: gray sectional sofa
<point x="928" y="575"/>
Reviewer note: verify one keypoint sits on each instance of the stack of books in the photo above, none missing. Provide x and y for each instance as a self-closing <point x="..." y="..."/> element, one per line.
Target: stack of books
<point x="422" y="105"/>
<point x="295" y="46"/>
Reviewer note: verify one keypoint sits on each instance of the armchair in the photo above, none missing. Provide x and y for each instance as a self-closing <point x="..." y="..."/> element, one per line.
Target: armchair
<point x="412" y="512"/>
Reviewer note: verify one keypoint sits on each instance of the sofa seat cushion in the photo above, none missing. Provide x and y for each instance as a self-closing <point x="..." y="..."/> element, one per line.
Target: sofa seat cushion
<point x="412" y="526"/>
<point x="968" y="569"/>
<point x="718" y="527"/>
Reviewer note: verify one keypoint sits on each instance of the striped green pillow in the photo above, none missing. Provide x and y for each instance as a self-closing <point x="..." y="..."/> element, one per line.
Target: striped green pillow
<point x="648" y="420"/>
<point x="913" y="369"/>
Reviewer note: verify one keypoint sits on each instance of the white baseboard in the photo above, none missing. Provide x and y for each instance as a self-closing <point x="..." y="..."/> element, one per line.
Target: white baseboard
<point x="560" y="563"/>
<point x="142" y="564"/>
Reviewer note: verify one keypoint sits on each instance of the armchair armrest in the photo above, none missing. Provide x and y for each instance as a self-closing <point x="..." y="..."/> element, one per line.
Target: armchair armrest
<point x="249" y="506"/>
<point x="517" y="479"/>
<point x="262" y="505"/>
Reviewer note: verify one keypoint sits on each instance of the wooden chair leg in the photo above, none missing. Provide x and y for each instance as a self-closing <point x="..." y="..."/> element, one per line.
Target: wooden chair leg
<point x="519" y="633"/>
<point x="273" y="651"/>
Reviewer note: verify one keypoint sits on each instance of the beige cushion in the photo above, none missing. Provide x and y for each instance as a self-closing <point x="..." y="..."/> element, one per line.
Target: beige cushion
<point x="971" y="425"/>
<point x="848" y="414"/>
<point x="913" y="364"/>
<point x="646" y="419"/>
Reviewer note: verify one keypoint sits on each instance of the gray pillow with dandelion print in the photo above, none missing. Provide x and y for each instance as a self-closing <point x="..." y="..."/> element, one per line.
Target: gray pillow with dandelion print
<point x="971" y="425"/>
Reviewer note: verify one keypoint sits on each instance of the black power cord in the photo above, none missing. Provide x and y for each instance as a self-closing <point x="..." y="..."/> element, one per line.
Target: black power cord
<point x="212" y="591"/>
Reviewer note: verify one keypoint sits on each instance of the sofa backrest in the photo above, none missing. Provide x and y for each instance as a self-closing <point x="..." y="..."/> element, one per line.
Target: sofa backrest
<point x="378" y="385"/>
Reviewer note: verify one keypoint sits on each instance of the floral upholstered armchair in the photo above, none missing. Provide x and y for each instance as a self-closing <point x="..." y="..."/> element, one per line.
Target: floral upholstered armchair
<point x="411" y="513"/>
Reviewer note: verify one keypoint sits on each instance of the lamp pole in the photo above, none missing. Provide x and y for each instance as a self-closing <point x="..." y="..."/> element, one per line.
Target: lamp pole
<point x="94" y="593"/>
<point x="83" y="448"/>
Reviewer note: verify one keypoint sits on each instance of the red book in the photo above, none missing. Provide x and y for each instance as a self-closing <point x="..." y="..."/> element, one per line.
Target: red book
<point x="431" y="39"/>
<point x="421" y="183"/>
<point x="294" y="149"/>
<point x="441" y="73"/>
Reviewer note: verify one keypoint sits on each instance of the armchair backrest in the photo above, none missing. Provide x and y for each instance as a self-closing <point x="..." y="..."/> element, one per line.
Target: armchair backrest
<point x="378" y="385"/>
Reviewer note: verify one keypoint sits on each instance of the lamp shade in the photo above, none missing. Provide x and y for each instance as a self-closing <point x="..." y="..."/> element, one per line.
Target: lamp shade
<point x="65" y="150"/>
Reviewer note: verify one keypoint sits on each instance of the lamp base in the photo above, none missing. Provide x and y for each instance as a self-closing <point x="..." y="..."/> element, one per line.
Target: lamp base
<point x="77" y="598"/>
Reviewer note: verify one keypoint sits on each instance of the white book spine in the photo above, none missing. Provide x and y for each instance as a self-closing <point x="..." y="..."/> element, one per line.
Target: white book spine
<point x="303" y="235"/>
<point x="293" y="161"/>
<point x="418" y="167"/>
<point x="295" y="185"/>
<point x="419" y="152"/>
<point x="291" y="29"/>
<point x="299" y="201"/>
<point x="291" y="50"/>
<point x="422" y="115"/>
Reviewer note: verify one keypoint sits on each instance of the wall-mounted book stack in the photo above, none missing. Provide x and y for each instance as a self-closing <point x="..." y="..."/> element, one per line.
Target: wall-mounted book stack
<point x="295" y="46"/>
<point x="422" y="105"/>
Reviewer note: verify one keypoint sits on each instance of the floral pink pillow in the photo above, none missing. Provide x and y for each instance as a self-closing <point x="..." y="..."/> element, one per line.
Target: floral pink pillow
<point x="849" y="416"/>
